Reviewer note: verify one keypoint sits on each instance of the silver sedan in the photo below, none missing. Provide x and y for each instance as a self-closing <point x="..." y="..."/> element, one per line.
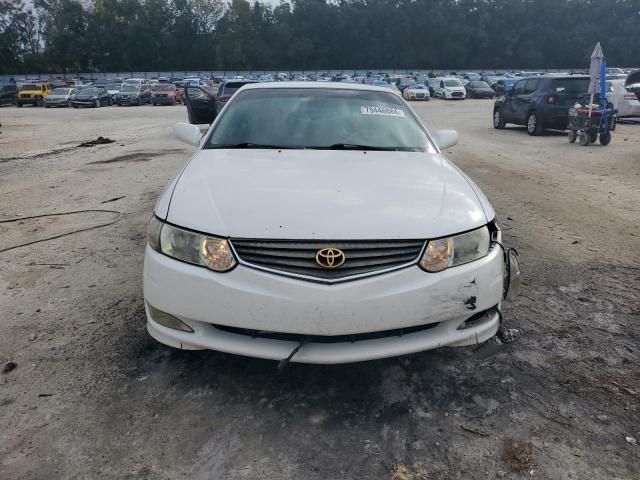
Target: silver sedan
<point x="416" y="92"/>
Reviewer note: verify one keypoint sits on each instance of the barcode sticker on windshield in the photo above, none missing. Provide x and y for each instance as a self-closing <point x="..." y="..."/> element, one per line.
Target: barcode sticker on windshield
<point x="385" y="111"/>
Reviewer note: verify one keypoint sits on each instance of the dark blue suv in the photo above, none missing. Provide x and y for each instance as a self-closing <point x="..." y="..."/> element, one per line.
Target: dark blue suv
<point x="540" y="103"/>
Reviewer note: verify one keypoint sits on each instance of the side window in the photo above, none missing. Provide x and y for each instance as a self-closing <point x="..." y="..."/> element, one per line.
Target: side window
<point x="518" y="88"/>
<point x="531" y="86"/>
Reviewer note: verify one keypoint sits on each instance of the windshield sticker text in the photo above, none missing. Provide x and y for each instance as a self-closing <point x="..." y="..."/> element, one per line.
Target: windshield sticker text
<point x="385" y="111"/>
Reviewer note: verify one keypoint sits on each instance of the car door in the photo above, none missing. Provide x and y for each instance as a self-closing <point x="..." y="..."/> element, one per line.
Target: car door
<point x="523" y="100"/>
<point x="201" y="105"/>
<point x="512" y="106"/>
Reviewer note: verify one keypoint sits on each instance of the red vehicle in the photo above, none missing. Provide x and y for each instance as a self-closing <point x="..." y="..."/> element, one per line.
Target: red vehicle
<point x="166" y="94"/>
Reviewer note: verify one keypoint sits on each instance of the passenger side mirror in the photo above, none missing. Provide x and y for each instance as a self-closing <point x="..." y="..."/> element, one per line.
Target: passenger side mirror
<point x="187" y="133"/>
<point x="445" y="138"/>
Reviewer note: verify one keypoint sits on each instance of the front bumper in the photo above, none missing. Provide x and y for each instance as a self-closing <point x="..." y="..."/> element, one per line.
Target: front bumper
<point x="454" y="95"/>
<point x="164" y="100"/>
<point x="246" y="298"/>
<point x="30" y="101"/>
<point x="56" y="103"/>
<point x="128" y="101"/>
<point x="83" y="103"/>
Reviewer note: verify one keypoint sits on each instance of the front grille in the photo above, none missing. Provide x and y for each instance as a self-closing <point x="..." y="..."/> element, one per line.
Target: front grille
<point x="457" y="94"/>
<point x="298" y="257"/>
<point x="25" y="95"/>
<point x="356" y="337"/>
<point x="419" y="95"/>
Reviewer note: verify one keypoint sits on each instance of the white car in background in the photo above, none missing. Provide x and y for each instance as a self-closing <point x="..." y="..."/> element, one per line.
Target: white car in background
<point x="449" y="88"/>
<point x="627" y="103"/>
<point x="269" y="244"/>
<point x="416" y="92"/>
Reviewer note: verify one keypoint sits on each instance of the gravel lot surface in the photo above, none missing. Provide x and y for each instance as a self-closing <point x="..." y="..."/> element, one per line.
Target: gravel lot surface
<point x="85" y="393"/>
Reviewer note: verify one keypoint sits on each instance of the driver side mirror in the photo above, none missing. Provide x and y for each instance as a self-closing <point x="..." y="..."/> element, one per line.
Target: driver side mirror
<point x="187" y="133"/>
<point x="445" y="138"/>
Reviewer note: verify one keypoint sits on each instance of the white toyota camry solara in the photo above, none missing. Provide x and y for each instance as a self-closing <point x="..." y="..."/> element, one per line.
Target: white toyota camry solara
<point x="321" y="223"/>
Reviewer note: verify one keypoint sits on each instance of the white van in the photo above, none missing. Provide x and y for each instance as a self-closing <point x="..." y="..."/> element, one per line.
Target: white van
<point x="449" y="88"/>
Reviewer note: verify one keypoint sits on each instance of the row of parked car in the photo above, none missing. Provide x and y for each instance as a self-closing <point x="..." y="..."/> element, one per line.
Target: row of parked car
<point x="133" y="91"/>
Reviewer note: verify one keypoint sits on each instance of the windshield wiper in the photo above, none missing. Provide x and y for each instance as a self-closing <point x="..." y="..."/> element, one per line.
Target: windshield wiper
<point x="253" y="145"/>
<point x="354" y="146"/>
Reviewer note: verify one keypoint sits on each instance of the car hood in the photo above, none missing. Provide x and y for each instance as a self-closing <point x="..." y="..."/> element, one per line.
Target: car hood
<point x="314" y="194"/>
<point x="85" y="96"/>
<point x="57" y="97"/>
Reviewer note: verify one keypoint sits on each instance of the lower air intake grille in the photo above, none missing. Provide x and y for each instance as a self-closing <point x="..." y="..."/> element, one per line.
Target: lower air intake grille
<point x="298" y="257"/>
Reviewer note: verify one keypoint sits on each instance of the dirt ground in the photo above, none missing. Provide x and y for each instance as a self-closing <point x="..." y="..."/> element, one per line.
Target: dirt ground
<point x="86" y="394"/>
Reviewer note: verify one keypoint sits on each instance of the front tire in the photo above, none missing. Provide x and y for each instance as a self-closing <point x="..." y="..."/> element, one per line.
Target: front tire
<point x="573" y="135"/>
<point x="534" y="125"/>
<point x="584" y="139"/>
<point x="97" y="104"/>
<point x="605" y="139"/>
<point x="498" y="120"/>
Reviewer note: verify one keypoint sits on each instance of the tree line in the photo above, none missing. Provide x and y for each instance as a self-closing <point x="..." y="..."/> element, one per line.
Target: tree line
<point x="155" y="35"/>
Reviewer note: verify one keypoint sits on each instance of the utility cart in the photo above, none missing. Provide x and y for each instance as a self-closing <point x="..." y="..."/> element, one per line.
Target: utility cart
<point x="588" y="124"/>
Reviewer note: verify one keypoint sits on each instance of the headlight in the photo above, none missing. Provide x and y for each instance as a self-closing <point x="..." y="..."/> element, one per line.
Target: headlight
<point x="191" y="247"/>
<point x="449" y="252"/>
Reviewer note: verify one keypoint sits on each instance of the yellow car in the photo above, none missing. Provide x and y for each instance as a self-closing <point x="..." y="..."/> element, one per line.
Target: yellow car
<point x="33" y="94"/>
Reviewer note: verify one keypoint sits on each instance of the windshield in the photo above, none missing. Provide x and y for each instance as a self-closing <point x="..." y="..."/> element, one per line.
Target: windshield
<point x="318" y="118"/>
<point x="480" y="85"/>
<point x="452" y="83"/>
<point x="129" y="88"/>
<point x="90" y="91"/>
<point x="114" y="86"/>
<point x="570" y="85"/>
<point x="60" y="91"/>
<point x="230" y="88"/>
<point x="30" y="86"/>
<point x="163" y="88"/>
<point x="133" y="81"/>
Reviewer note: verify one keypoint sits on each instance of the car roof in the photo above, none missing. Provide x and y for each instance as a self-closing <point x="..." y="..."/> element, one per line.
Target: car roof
<point x="316" y="85"/>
